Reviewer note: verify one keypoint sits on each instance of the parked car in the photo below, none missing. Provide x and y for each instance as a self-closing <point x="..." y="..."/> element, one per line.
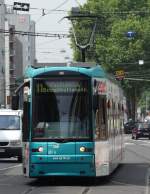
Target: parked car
<point x="141" y="129"/>
<point x="129" y="126"/>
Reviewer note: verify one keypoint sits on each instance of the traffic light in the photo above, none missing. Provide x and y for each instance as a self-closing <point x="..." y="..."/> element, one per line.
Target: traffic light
<point x="21" y="6"/>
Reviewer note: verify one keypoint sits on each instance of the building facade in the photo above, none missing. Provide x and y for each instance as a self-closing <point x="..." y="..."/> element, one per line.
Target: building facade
<point x="24" y="45"/>
<point x="2" y="53"/>
<point x="16" y="50"/>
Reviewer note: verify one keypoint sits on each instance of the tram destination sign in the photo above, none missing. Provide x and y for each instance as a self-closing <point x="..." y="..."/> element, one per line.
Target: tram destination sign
<point x="60" y="87"/>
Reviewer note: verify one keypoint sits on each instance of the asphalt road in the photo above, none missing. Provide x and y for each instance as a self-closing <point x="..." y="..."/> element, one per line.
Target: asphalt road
<point x="131" y="177"/>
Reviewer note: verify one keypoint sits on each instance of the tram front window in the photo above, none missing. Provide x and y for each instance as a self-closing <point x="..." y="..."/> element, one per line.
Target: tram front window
<point x="61" y="110"/>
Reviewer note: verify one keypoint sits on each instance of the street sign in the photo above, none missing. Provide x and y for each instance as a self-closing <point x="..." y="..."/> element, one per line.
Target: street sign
<point x="120" y="74"/>
<point x="130" y="34"/>
<point x="21" y="6"/>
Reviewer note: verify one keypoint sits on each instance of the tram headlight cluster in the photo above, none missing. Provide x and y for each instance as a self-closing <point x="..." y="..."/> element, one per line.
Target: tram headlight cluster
<point x="40" y="149"/>
<point x="82" y="149"/>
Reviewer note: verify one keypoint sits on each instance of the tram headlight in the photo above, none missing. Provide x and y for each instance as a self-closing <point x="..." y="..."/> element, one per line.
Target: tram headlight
<point x="82" y="149"/>
<point x="40" y="149"/>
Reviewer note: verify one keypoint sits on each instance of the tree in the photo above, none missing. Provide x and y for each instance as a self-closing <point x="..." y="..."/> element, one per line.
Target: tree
<point x="112" y="48"/>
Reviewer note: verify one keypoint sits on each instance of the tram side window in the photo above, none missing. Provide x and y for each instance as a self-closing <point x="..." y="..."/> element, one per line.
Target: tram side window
<point x="100" y="116"/>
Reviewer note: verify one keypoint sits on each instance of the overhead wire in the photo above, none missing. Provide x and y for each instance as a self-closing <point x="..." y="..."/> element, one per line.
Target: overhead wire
<point x="78" y="3"/>
<point x="43" y="10"/>
<point x="111" y="11"/>
<point x="23" y="33"/>
<point x="64" y="2"/>
<point x="48" y="42"/>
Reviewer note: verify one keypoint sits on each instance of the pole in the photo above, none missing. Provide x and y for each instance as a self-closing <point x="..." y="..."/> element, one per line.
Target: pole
<point x="135" y="103"/>
<point x="146" y="104"/>
<point x="7" y="66"/>
<point x="83" y="55"/>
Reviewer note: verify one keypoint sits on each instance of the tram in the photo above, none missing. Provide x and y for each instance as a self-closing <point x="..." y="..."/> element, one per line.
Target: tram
<point x="72" y="121"/>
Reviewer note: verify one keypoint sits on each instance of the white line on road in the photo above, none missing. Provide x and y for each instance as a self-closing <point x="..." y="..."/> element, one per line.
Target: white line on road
<point x="148" y="182"/>
<point x="10" y="167"/>
<point x="5" y="184"/>
<point x="143" y="140"/>
<point x="145" y="144"/>
<point x="128" y="143"/>
<point x="121" y="183"/>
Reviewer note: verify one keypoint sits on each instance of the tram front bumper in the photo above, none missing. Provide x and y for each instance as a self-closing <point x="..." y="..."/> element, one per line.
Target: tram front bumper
<point x="62" y="166"/>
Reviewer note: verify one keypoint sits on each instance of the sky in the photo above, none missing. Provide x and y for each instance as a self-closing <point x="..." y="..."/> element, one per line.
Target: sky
<point x="51" y="49"/>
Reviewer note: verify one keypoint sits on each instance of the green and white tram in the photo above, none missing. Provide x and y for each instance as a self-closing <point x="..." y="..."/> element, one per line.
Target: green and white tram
<point x="72" y="121"/>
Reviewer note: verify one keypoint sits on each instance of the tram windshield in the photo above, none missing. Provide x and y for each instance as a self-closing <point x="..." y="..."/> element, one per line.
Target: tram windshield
<point x="61" y="109"/>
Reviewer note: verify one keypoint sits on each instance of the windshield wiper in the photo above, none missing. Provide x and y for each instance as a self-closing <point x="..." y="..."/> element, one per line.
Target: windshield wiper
<point x="63" y="140"/>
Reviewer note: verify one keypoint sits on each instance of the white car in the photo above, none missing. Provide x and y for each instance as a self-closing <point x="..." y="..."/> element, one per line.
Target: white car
<point x="11" y="133"/>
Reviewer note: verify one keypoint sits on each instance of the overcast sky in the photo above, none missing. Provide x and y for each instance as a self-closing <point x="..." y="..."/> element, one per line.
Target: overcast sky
<point x="49" y="49"/>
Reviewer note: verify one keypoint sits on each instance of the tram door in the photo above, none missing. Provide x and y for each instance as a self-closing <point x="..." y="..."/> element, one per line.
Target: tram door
<point x="101" y="120"/>
<point x="101" y="134"/>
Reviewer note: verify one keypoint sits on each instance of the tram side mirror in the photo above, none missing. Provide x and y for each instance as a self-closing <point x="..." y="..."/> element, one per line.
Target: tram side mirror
<point x="95" y="101"/>
<point x="15" y="102"/>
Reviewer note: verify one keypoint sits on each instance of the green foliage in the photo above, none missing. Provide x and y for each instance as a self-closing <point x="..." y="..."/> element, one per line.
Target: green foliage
<point x="144" y="101"/>
<point x="112" y="48"/>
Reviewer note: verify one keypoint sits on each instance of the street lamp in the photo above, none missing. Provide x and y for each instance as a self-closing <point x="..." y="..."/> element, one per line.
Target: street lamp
<point x="141" y="62"/>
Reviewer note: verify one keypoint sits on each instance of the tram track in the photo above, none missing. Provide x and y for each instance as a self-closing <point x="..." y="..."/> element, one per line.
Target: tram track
<point x="86" y="190"/>
<point x="28" y="191"/>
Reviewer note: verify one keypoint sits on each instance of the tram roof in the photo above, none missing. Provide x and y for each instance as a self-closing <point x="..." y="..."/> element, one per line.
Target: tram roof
<point x="88" y="69"/>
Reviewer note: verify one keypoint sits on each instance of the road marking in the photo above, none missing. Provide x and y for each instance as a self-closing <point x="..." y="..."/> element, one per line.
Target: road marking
<point x="128" y="143"/>
<point x="148" y="182"/>
<point x="144" y="141"/>
<point x="86" y="190"/>
<point x="121" y="183"/>
<point x="145" y="144"/>
<point x="10" y="167"/>
<point x="5" y="184"/>
<point x="28" y="190"/>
